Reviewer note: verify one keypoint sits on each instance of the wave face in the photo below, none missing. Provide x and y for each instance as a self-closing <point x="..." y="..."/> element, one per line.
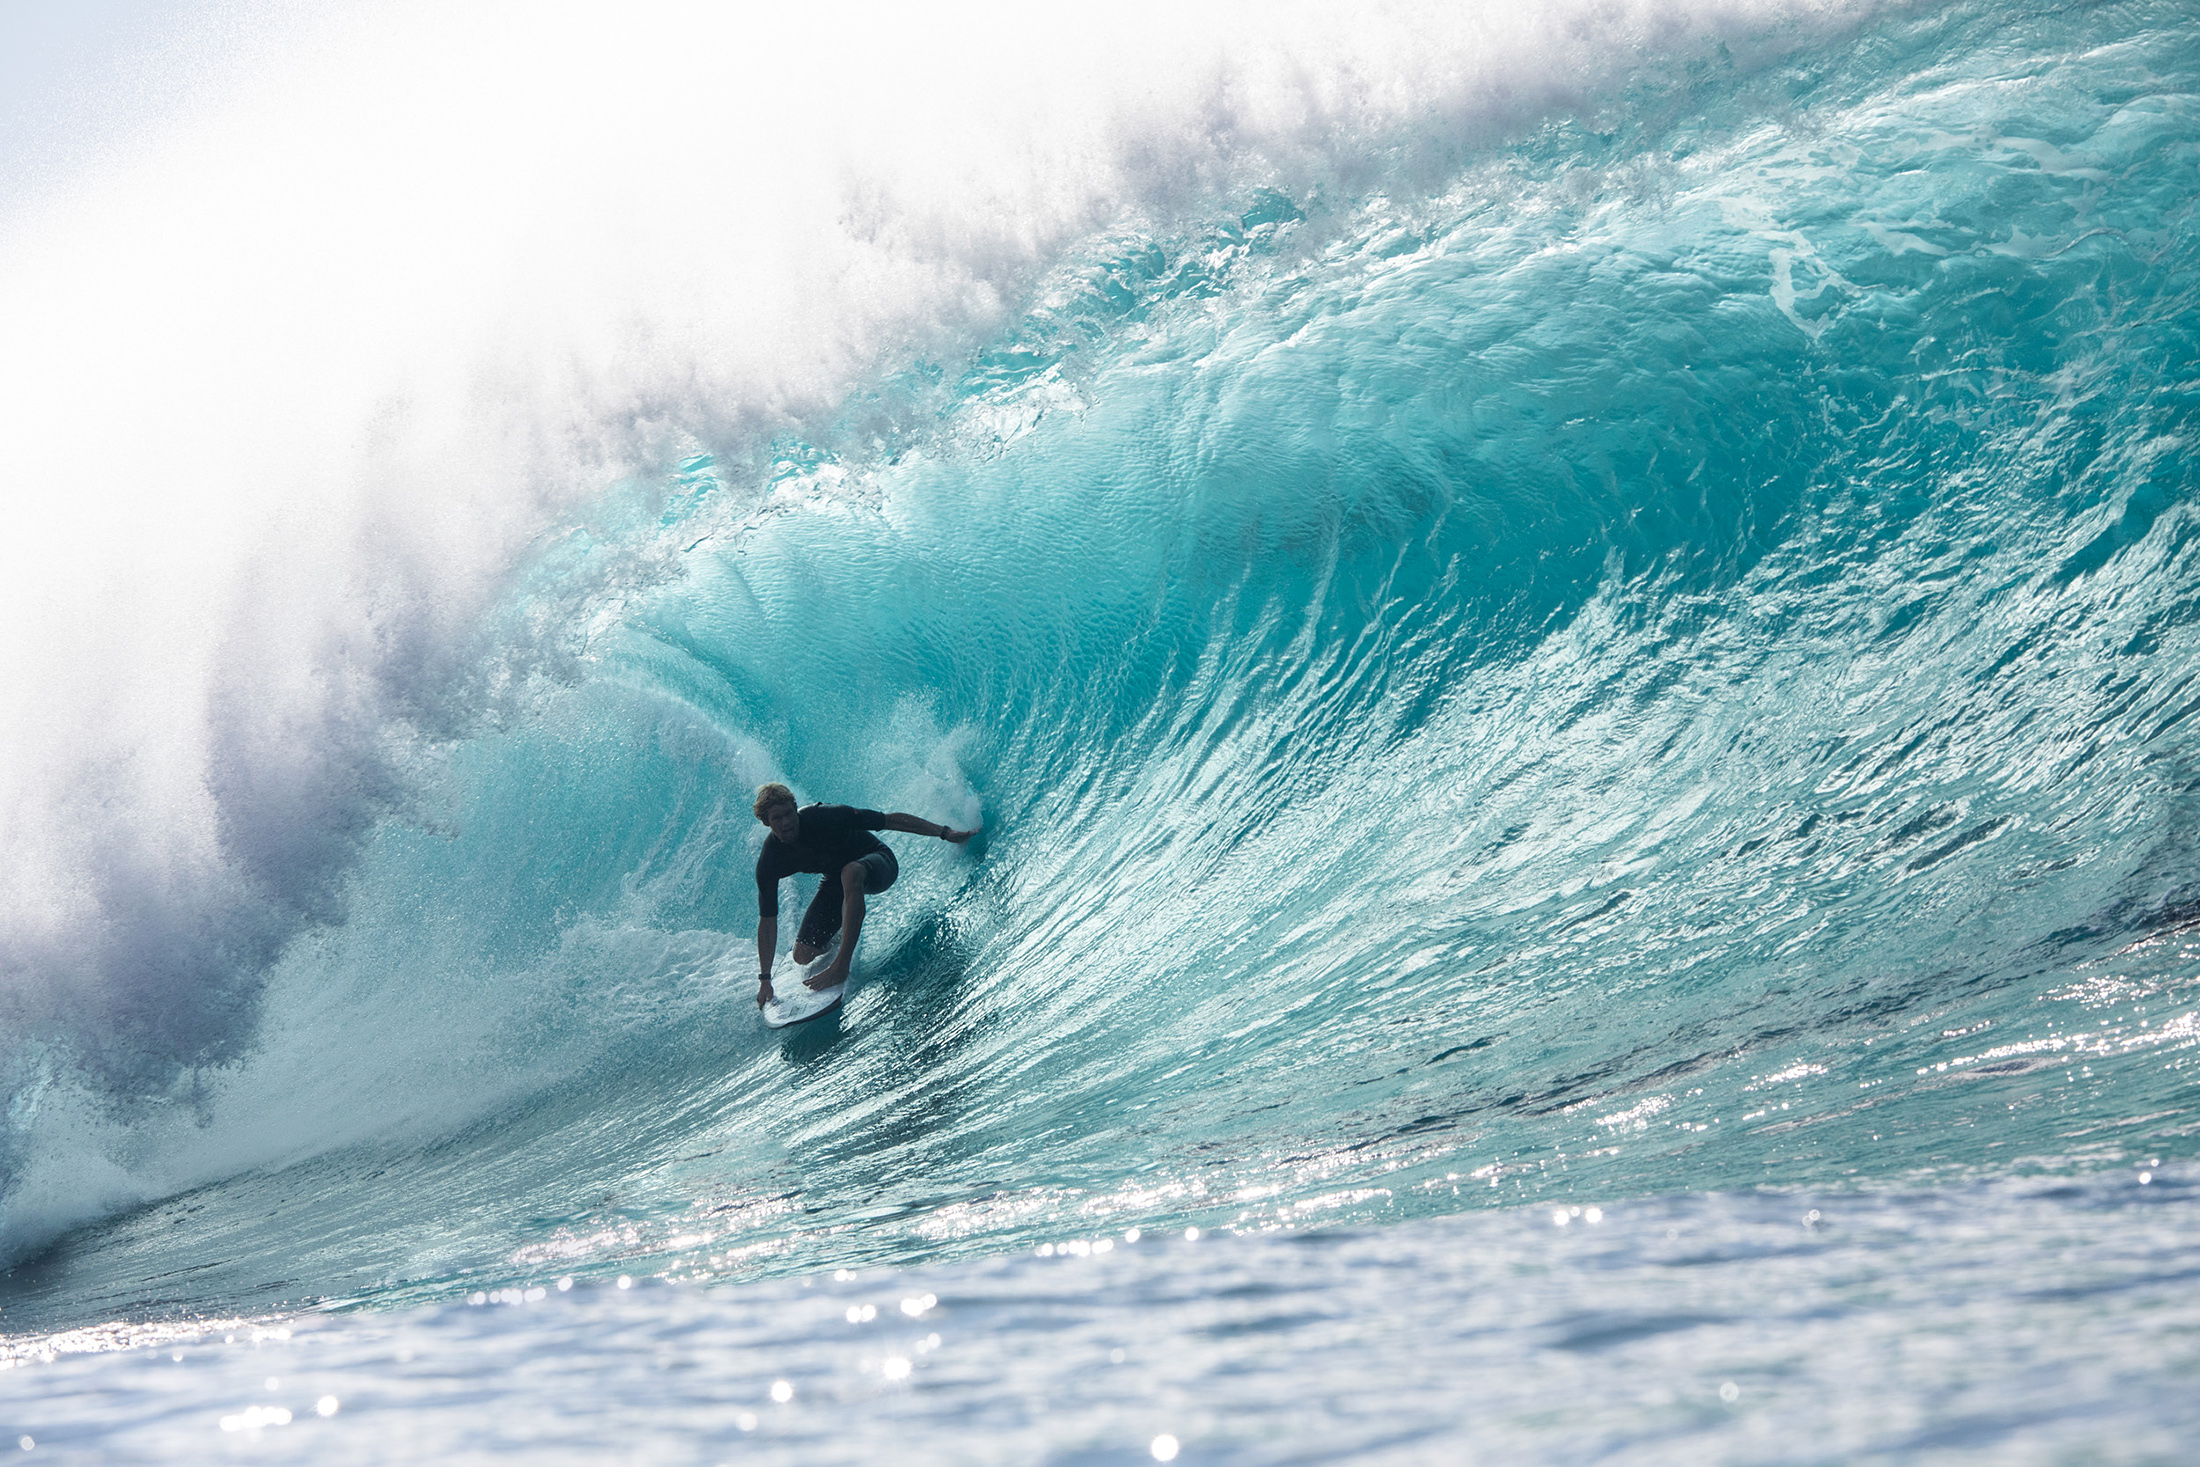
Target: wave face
<point x="1659" y="655"/>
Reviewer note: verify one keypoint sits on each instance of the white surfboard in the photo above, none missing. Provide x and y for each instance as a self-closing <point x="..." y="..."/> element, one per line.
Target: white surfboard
<point x="793" y="1000"/>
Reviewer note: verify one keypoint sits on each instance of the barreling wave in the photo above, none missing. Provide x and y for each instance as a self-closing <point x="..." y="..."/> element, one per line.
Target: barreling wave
<point x="1646" y="646"/>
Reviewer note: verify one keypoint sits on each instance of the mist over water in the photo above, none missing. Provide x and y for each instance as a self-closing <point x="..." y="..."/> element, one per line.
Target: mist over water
<point x="1563" y="605"/>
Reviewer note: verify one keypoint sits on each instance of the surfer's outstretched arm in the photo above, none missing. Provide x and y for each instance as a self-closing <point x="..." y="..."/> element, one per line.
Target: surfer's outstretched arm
<point x="917" y="825"/>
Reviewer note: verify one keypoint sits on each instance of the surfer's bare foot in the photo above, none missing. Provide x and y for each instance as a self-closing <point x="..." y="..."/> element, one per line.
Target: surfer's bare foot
<point x="830" y="978"/>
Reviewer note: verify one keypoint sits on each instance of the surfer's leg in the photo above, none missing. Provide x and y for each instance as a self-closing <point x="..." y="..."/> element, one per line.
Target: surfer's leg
<point x="852" y="880"/>
<point x="820" y="922"/>
<point x="874" y="872"/>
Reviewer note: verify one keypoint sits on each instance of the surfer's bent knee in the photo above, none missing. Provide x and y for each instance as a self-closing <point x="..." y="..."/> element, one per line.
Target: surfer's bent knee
<point x="874" y="872"/>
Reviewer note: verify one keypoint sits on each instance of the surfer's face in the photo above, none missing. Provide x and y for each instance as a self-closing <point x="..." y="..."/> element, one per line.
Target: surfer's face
<point x="785" y="823"/>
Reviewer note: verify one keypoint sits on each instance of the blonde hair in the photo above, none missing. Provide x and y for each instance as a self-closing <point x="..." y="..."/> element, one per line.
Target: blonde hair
<point x="769" y="797"/>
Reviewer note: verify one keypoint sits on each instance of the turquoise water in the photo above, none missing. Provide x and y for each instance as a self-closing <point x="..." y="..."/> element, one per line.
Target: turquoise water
<point x="1650" y="654"/>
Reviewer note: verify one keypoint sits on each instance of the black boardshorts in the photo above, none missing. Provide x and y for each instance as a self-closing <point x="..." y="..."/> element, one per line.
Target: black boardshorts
<point x="823" y="919"/>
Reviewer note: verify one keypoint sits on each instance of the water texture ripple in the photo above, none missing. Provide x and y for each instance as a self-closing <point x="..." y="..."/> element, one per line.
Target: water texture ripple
<point x="2004" y="1323"/>
<point x="1624" y="646"/>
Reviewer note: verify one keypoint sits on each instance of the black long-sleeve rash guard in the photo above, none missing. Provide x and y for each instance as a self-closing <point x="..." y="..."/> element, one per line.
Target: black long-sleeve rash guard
<point x="830" y="836"/>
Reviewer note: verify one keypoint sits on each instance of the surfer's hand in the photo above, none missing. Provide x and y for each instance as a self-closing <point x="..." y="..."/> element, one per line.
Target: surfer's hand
<point x="763" y="990"/>
<point x="957" y="836"/>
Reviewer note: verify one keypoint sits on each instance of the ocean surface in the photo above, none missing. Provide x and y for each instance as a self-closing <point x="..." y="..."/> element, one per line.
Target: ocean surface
<point x="1575" y="636"/>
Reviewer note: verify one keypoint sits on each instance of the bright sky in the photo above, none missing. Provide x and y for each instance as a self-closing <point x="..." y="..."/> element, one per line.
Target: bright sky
<point x="76" y="73"/>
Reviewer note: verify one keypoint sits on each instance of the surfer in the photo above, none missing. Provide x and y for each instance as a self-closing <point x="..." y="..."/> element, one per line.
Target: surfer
<point x="835" y="841"/>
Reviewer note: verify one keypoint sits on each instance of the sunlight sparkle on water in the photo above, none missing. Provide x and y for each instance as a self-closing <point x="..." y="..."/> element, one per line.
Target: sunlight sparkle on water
<point x="252" y="1418"/>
